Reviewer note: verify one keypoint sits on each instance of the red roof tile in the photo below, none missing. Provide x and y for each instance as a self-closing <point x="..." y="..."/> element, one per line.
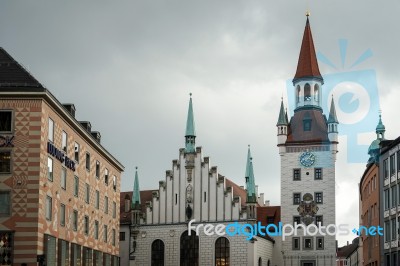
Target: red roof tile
<point x="307" y="65"/>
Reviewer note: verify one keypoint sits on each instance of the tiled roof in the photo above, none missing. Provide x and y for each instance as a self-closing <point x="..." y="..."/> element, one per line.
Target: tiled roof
<point x="307" y="65"/>
<point x="237" y="190"/>
<point x="318" y="132"/>
<point x="12" y="74"/>
<point x="346" y="251"/>
<point x="263" y="213"/>
<point x="145" y="195"/>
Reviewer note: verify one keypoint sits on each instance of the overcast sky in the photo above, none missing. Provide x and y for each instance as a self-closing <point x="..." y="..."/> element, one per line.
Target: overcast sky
<point x="129" y="68"/>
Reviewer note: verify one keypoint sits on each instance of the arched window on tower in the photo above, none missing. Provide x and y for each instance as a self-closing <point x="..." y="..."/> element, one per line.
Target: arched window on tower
<point x="222" y="252"/>
<point x="189" y="249"/>
<point x="127" y="203"/>
<point x="307" y="92"/>
<point x="157" y="253"/>
<point x="259" y="261"/>
<point x="316" y="92"/>
<point x="298" y="94"/>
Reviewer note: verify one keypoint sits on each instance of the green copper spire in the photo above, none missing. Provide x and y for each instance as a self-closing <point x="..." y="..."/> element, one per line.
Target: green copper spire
<point x="380" y="128"/>
<point x="250" y="183"/>
<point x="136" y="193"/>
<point x="332" y="114"/>
<point x="282" y="120"/>
<point x="374" y="148"/>
<point x="190" y="135"/>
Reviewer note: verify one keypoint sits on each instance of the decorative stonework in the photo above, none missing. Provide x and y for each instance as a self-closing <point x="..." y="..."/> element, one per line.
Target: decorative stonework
<point x="307" y="209"/>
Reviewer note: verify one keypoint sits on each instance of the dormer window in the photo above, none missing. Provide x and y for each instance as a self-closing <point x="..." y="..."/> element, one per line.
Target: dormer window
<point x="307" y="124"/>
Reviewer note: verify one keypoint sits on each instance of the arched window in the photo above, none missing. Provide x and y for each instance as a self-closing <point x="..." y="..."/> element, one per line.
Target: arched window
<point x="269" y="263"/>
<point x="157" y="253"/>
<point x="316" y="93"/>
<point x="127" y="203"/>
<point x="189" y="249"/>
<point x="259" y="261"/>
<point x="222" y="252"/>
<point x="298" y="94"/>
<point x="307" y="92"/>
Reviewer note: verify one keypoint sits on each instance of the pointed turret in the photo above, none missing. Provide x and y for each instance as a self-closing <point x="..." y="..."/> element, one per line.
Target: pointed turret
<point x="282" y="126"/>
<point x="136" y="193"/>
<point x="282" y="119"/>
<point x="332" y="114"/>
<point x="190" y="135"/>
<point x="250" y="182"/>
<point x="307" y="66"/>
<point x="374" y="148"/>
<point x="332" y="124"/>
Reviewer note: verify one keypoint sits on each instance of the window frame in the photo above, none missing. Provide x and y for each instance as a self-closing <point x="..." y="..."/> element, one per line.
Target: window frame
<point x="77" y="148"/>
<point x="318" y="173"/>
<point x="294" y="243"/>
<point x="62" y="214"/>
<point x="50" y="133"/>
<point x="105" y="204"/>
<point x="317" y="244"/>
<point x="9" y="199"/>
<point x="49" y="208"/>
<point x="311" y="242"/>
<point x="294" y="198"/>
<point x="50" y="169"/>
<point x="11" y="121"/>
<point x="317" y="198"/>
<point x="223" y="250"/>
<point x="87" y="161"/>
<point x="76" y="186"/>
<point x="297" y="174"/>
<point x="97" y="201"/>
<point x="63" y="178"/>
<point x="86" y="225"/>
<point x="75" y="220"/>
<point x="64" y="146"/>
<point x="9" y="168"/>
<point x="96" y="229"/>
<point x="97" y="169"/>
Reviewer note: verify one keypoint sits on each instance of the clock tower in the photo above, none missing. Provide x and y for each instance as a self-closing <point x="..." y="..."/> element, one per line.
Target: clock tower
<point x="307" y="147"/>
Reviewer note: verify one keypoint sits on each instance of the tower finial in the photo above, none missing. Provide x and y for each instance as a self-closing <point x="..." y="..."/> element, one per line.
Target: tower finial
<point x="136" y="192"/>
<point x="308" y="13"/>
<point x="190" y="94"/>
<point x="190" y="135"/>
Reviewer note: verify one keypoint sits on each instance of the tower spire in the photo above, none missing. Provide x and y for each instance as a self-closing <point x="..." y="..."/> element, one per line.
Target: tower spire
<point x="190" y="135"/>
<point x="250" y="182"/>
<point x="307" y="66"/>
<point x="282" y="120"/>
<point x="380" y="128"/>
<point x="136" y="192"/>
<point x="332" y="113"/>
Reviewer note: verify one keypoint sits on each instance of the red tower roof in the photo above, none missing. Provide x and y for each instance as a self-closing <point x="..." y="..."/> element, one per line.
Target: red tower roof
<point x="307" y="65"/>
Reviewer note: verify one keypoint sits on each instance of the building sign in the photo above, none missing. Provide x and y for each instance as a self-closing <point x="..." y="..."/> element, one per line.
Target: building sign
<point x="6" y="141"/>
<point x="60" y="155"/>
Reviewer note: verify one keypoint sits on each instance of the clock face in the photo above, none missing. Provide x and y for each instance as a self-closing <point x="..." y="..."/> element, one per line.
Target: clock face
<point x="307" y="159"/>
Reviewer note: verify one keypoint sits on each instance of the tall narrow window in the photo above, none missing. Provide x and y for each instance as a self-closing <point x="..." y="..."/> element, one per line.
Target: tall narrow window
<point x="307" y="92"/>
<point x="96" y="229"/>
<point x="106" y="177"/>
<point x="189" y="247"/>
<point x="392" y="165"/>
<point x="5" y="203"/>
<point x="205" y="196"/>
<point x="114" y="210"/>
<point x="62" y="214"/>
<point x="113" y="237"/>
<point x="64" y="138"/>
<point x="49" y="207"/>
<point x="49" y="169"/>
<point x="114" y="183"/>
<point x="394" y="196"/>
<point x="76" y="186"/>
<point x="318" y="197"/>
<point x="296" y="198"/>
<point x="296" y="174"/>
<point x="157" y="253"/>
<point x="398" y="161"/>
<point x="87" y="193"/>
<point x="176" y="198"/>
<point x="222" y="251"/>
<point x="105" y="233"/>
<point x="75" y="220"/>
<point x="385" y="168"/>
<point x="97" y="169"/>
<point x="298" y="94"/>
<point x="76" y="152"/>
<point x="319" y="220"/>
<point x="106" y="204"/>
<point x="316" y="93"/>
<point x="308" y="243"/>
<point x="296" y="243"/>
<point x="88" y="161"/>
<point x="5" y="162"/>
<point x="97" y="203"/>
<point x="51" y="130"/>
<point x="86" y="225"/>
<point x="320" y="243"/>
<point x="318" y="173"/>
<point x="63" y="178"/>
<point x="5" y="121"/>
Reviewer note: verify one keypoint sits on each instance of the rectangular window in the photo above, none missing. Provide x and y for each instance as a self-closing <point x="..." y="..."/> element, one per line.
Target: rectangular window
<point x="296" y="243"/>
<point x="114" y="183"/>
<point x="106" y="177"/>
<point x="394" y="229"/>
<point x="49" y="207"/>
<point x="320" y="243"/>
<point x="97" y="203"/>
<point x="5" y="121"/>
<point x="387" y="231"/>
<point x="114" y="210"/>
<point x="87" y="193"/>
<point x="51" y="130"/>
<point x="76" y="186"/>
<point x="105" y="232"/>
<point x="398" y="161"/>
<point x="50" y="169"/>
<point x="5" y="162"/>
<point x="88" y="161"/>
<point x="308" y="243"/>
<point x="106" y="204"/>
<point x="86" y="225"/>
<point x="113" y="237"/>
<point x="205" y="196"/>
<point x="318" y="173"/>
<point x="296" y="174"/>
<point x="97" y="169"/>
<point x="394" y="196"/>
<point x="76" y="152"/>
<point x="319" y="220"/>
<point x="176" y="198"/>
<point x="96" y="229"/>
<point x="75" y="220"/>
<point x="386" y="195"/>
<point x="296" y="219"/>
<point x="385" y="168"/>
<point x="121" y="236"/>
<point x="64" y="138"/>
<point x="5" y="203"/>
<point x="318" y="197"/>
<point x="62" y="214"/>
<point x="296" y="198"/>
<point x="63" y="178"/>
<point x="392" y="165"/>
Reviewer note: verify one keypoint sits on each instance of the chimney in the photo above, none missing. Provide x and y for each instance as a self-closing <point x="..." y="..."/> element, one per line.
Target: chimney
<point x="70" y="108"/>
<point x="96" y="135"/>
<point x="86" y="125"/>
